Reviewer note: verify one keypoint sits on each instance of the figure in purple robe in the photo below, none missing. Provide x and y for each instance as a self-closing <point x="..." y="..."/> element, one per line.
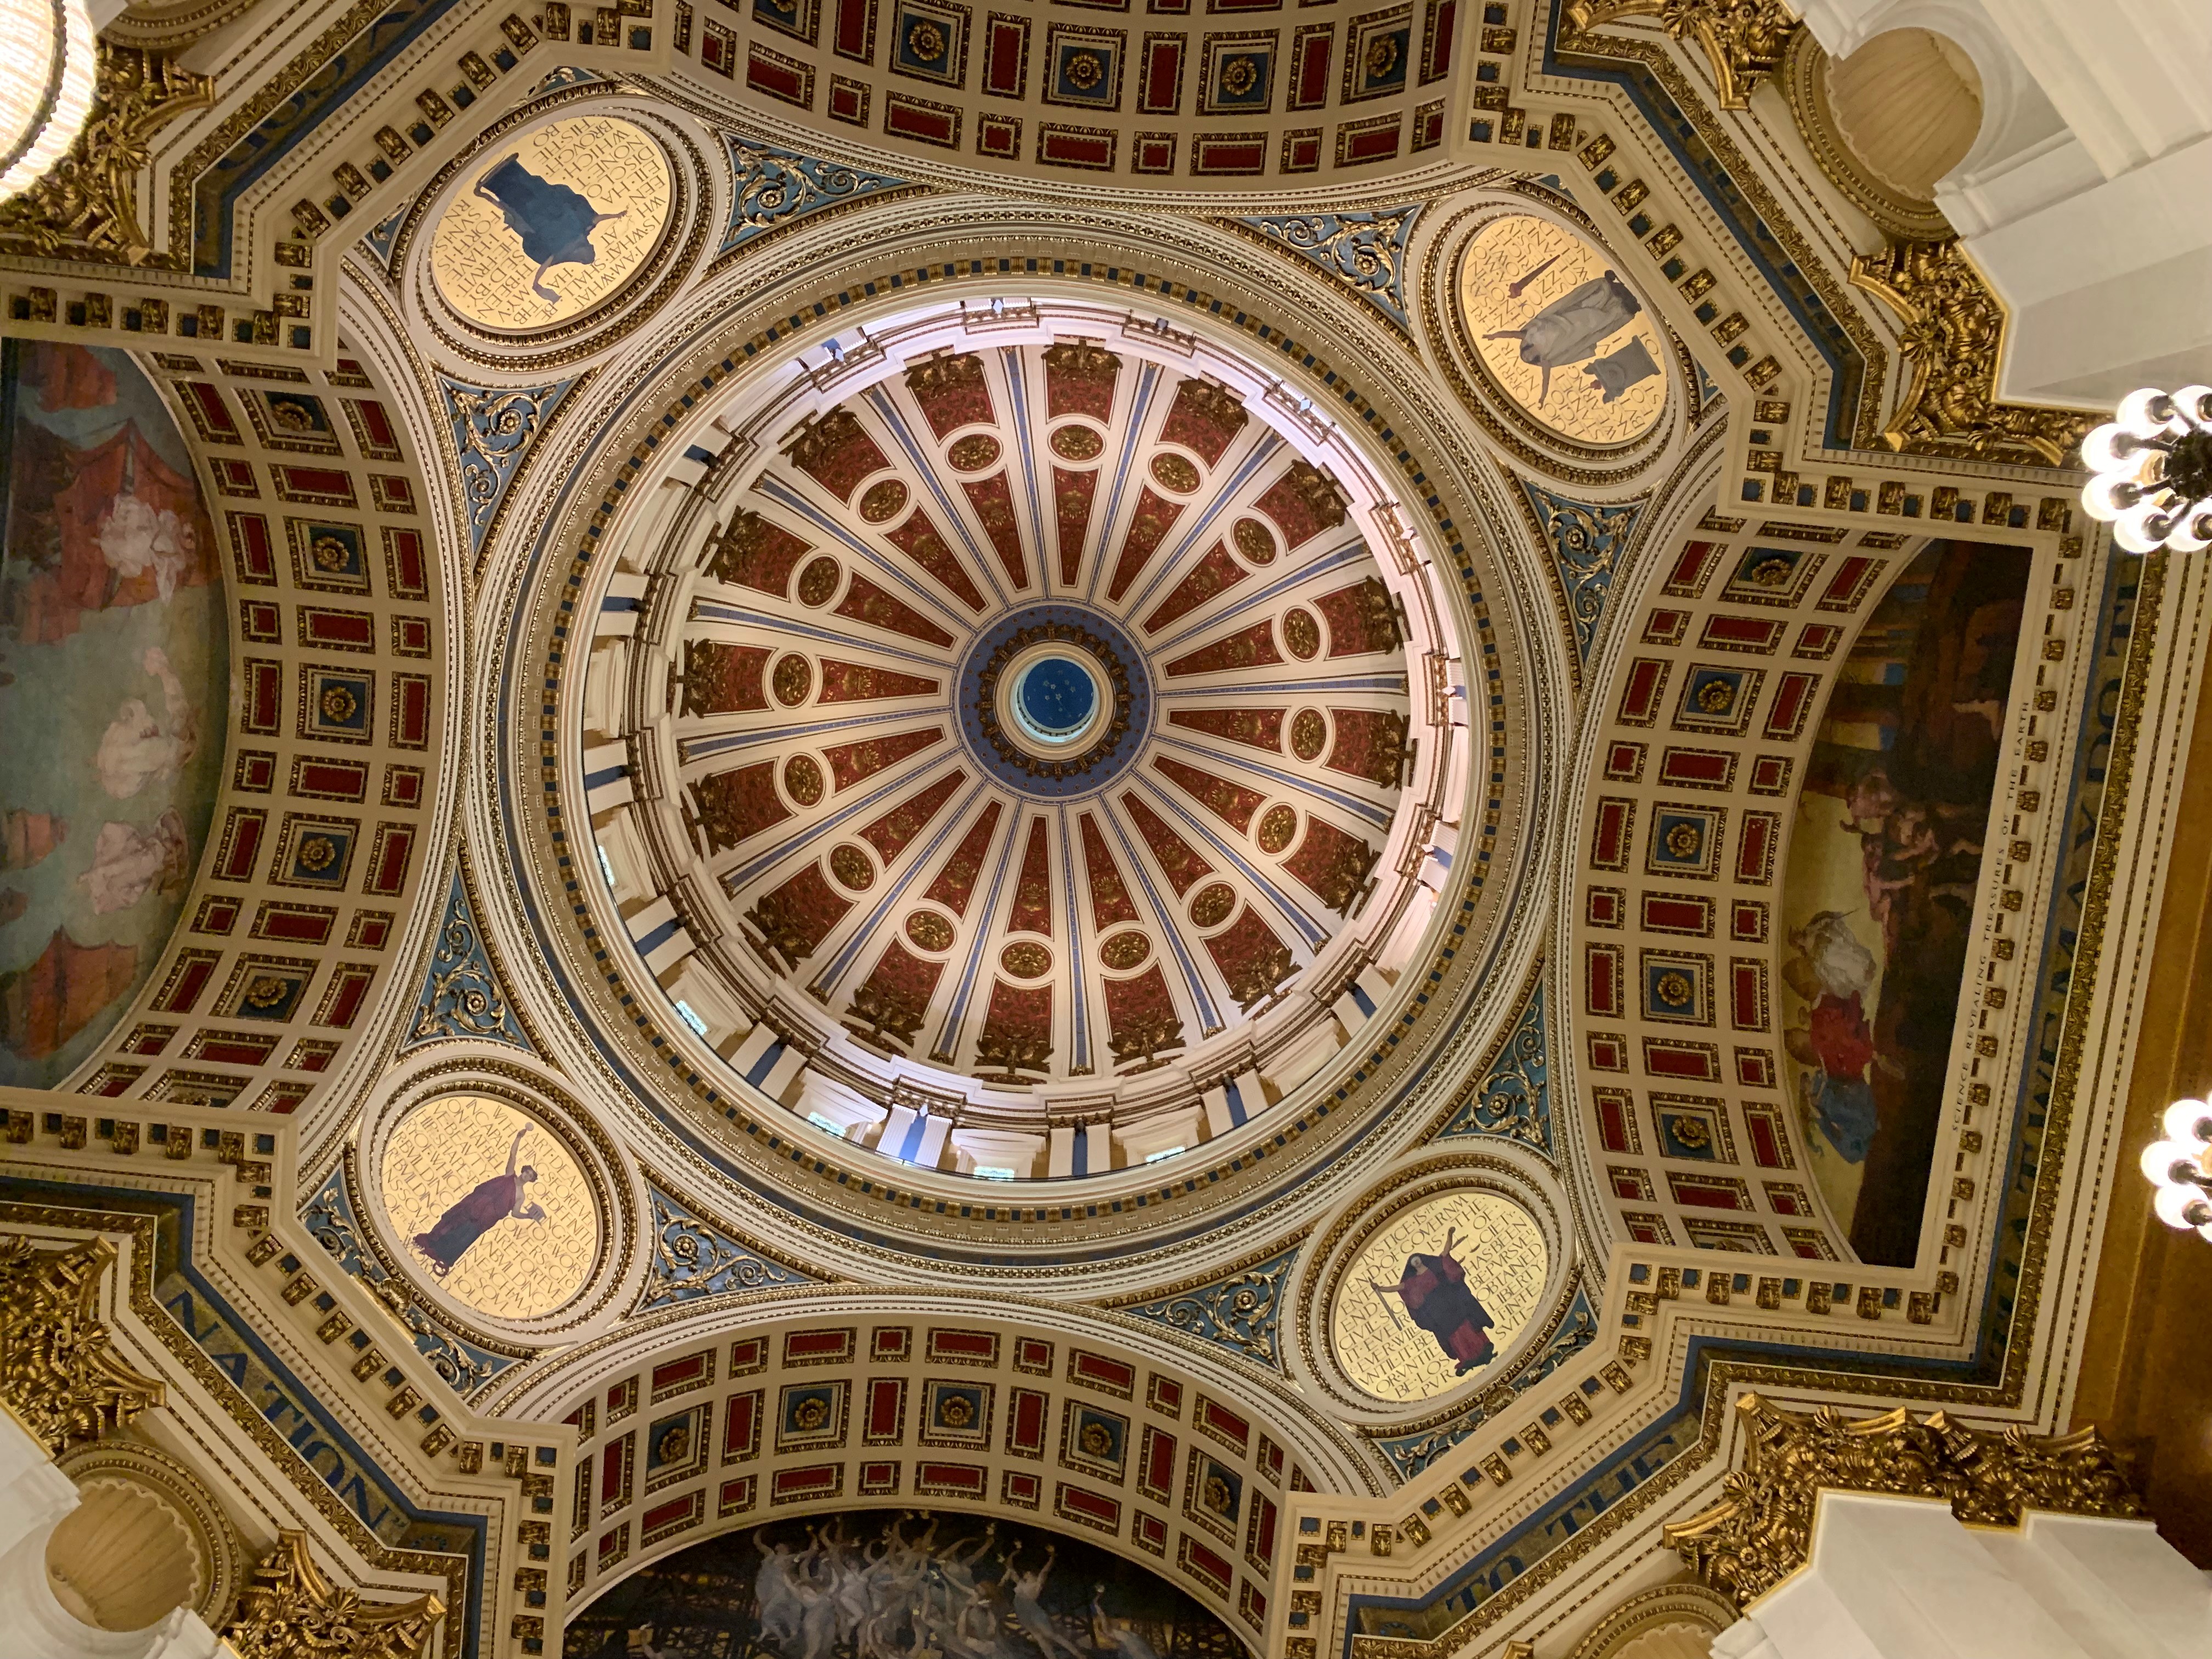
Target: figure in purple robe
<point x="490" y="1202"/>
<point x="1571" y="328"/>
<point x="1435" y="1292"/>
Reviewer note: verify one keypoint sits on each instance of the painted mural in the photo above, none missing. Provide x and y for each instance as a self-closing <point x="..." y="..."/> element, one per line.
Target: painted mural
<point x="1560" y="331"/>
<point x="548" y="227"/>
<point x="491" y="1206"/>
<point x="114" y="681"/>
<point x="1436" y="1293"/>
<point x="1886" y="859"/>
<point x="896" y="1584"/>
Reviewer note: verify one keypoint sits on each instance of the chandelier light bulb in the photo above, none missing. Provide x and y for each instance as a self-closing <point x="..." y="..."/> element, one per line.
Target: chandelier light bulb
<point x="2189" y="1119"/>
<point x="2144" y="412"/>
<point x="2152" y="464"/>
<point x="2107" y="448"/>
<point x="2163" y="1160"/>
<point x="2182" y="1208"/>
<point x="46" y="95"/>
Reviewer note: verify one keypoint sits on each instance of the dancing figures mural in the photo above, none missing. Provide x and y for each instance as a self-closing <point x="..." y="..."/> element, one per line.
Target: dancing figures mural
<point x="896" y="1584"/>
<point x="1886" y="857"/>
<point x="114" y="672"/>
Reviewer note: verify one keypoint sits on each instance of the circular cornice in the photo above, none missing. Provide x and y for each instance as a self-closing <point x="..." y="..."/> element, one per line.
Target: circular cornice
<point x="847" y="1207"/>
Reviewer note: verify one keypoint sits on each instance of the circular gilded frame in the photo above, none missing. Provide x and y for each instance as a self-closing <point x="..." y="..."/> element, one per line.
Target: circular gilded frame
<point x="674" y="258"/>
<point x="1492" y="1169"/>
<point x="615" y="1259"/>
<point x="1529" y="442"/>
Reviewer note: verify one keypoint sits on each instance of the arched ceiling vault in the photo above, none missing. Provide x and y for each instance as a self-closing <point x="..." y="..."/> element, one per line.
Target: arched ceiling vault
<point x="994" y="769"/>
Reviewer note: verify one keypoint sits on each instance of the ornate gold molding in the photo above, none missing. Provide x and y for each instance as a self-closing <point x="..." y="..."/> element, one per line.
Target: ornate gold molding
<point x="291" y="1609"/>
<point x="87" y="208"/>
<point x="1954" y="333"/>
<point x="1762" y="1530"/>
<point x="58" y="1373"/>
<point x="1745" y="40"/>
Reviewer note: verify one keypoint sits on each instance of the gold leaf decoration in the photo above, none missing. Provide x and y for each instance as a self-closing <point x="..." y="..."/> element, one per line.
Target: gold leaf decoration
<point x="1744" y="39"/>
<point x="87" y="208"/>
<point x="1954" y="333"/>
<point x="58" y="1374"/>
<point x="1761" y="1531"/>
<point x="291" y="1610"/>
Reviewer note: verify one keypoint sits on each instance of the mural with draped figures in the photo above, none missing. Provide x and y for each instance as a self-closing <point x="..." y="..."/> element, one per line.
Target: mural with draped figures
<point x="896" y="1584"/>
<point x="1885" y="861"/>
<point x="114" y="679"/>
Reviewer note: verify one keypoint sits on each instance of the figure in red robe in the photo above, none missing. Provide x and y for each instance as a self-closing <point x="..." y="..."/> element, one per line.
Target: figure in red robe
<point x="1435" y="1292"/>
<point x="471" y="1218"/>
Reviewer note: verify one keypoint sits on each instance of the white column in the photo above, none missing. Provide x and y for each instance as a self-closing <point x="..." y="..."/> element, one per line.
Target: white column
<point x="34" y="1496"/>
<point x="2082" y="199"/>
<point x="1901" y="1578"/>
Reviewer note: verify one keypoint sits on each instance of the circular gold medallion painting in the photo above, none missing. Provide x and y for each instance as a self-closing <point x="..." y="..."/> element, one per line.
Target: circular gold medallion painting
<point x="1560" y="333"/>
<point x="490" y="1206"/>
<point x="547" y="229"/>
<point x="1436" y="1293"/>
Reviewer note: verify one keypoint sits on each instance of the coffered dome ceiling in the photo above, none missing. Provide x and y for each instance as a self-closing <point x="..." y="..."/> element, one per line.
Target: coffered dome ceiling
<point x="1034" y="720"/>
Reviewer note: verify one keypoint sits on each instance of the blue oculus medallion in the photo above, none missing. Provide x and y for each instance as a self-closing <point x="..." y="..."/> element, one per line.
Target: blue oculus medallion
<point x="1054" y="702"/>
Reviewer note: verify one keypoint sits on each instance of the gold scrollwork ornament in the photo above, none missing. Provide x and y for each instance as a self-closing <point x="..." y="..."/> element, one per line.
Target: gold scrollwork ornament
<point x="58" y="1373"/>
<point x="1761" y="1531"/>
<point x="1744" y="39"/>
<point x="290" y="1610"/>
<point x="86" y="206"/>
<point x="1954" y="333"/>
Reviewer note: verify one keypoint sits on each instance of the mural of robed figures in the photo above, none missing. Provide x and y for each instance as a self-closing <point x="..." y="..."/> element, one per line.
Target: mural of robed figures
<point x="1433" y="1289"/>
<point x="896" y="1584"/>
<point x="1885" y="870"/>
<point x="502" y="1198"/>
<point x="114" y="679"/>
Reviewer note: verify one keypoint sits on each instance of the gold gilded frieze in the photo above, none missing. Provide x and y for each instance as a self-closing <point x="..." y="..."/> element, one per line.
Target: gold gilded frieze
<point x="1761" y="1531"/>
<point x="86" y="206"/>
<point x="59" y="1375"/>
<point x="1953" y="337"/>
<point x="1744" y="40"/>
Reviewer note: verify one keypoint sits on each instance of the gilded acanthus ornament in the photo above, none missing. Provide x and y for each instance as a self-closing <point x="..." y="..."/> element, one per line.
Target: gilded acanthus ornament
<point x="59" y="1374"/>
<point x="1761" y="1531"/>
<point x="291" y="1610"/>
<point x="88" y="207"/>
<point x="1745" y="39"/>
<point x="1954" y="332"/>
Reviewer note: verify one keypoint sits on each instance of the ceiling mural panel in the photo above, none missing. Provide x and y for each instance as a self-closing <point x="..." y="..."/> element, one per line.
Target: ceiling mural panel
<point x="113" y="680"/>
<point x="1441" y="1317"/>
<point x="1560" y="333"/>
<point x="445" y="1191"/>
<point x="581" y="201"/>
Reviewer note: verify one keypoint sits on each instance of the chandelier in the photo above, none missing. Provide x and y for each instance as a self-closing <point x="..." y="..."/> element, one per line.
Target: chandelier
<point x="2153" y="467"/>
<point x="47" y="92"/>
<point x="2181" y="1167"/>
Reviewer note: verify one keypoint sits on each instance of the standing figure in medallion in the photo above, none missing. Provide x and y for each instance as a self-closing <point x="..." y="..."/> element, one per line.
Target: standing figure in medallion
<point x="1434" y="1290"/>
<point x="488" y="1204"/>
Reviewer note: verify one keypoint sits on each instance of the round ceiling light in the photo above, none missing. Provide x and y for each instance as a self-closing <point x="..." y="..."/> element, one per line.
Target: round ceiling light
<point x="42" y="113"/>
